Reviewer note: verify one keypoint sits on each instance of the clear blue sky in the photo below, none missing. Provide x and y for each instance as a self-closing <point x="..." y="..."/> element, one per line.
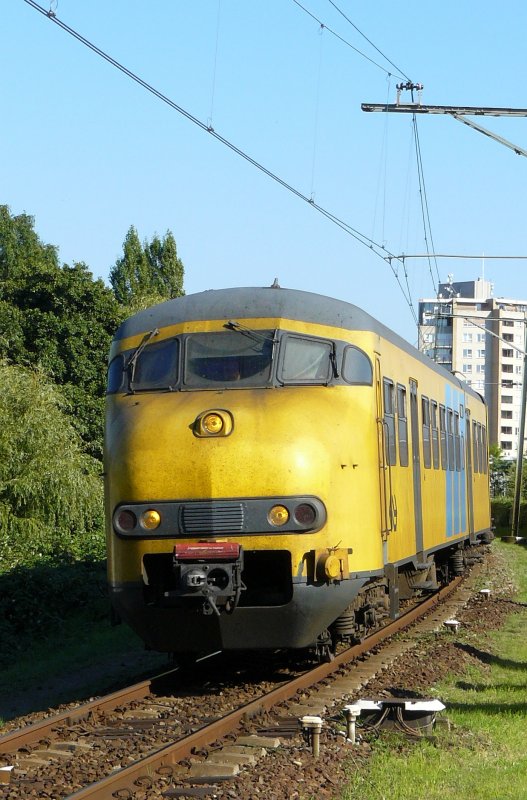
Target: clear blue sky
<point x="88" y="152"/>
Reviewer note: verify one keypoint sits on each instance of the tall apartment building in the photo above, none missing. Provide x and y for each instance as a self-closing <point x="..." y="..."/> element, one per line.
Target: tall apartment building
<point x="455" y="329"/>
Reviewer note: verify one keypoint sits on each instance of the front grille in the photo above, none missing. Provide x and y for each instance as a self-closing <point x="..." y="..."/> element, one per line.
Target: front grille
<point x="212" y="518"/>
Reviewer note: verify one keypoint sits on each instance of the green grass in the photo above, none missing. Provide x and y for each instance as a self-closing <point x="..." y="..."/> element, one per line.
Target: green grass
<point x="483" y="756"/>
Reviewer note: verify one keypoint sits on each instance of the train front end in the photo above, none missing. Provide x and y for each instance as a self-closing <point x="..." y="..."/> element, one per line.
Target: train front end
<point x="233" y="463"/>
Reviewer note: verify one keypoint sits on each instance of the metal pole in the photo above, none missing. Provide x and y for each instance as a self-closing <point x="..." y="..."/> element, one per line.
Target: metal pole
<point x="521" y="434"/>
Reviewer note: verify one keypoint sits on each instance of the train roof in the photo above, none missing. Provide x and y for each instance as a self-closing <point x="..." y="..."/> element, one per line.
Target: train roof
<point x="257" y="302"/>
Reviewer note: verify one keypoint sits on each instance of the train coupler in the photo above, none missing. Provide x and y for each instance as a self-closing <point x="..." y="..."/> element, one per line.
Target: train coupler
<point x="209" y="572"/>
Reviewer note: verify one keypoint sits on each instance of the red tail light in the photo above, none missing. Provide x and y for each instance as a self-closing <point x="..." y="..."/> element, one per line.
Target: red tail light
<point x="207" y="551"/>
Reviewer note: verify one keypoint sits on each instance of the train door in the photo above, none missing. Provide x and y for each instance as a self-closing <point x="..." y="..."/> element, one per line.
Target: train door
<point x="470" y="499"/>
<point x="416" y="467"/>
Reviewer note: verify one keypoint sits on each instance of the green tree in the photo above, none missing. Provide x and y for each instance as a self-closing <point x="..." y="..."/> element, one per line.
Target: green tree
<point x="50" y="490"/>
<point x="58" y="318"/>
<point x="500" y="472"/>
<point x="147" y="273"/>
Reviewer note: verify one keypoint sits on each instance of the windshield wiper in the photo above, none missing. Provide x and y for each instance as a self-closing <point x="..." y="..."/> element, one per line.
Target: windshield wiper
<point x="232" y="325"/>
<point x="132" y="361"/>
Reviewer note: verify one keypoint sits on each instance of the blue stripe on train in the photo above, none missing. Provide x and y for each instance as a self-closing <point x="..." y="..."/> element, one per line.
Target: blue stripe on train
<point x="456" y="496"/>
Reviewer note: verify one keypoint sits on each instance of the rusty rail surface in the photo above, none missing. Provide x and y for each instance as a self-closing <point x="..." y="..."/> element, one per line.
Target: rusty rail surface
<point x="172" y="753"/>
<point x="40" y="730"/>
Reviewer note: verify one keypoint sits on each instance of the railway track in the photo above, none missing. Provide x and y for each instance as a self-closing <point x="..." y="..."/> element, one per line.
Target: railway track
<point x="137" y="744"/>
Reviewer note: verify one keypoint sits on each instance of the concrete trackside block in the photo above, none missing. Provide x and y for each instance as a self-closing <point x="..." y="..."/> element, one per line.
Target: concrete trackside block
<point x="221" y="757"/>
<point x="63" y="755"/>
<point x="257" y="752"/>
<point x="208" y="770"/>
<point x="73" y="746"/>
<point x="258" y="741"/>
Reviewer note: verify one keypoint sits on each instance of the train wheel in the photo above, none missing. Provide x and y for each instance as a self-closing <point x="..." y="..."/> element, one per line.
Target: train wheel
<point x="325" y="647"/>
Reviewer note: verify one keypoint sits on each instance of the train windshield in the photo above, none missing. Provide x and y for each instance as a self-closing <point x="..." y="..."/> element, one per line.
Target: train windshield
<point x="156" y="367"/>
<point x="233" y="359"/>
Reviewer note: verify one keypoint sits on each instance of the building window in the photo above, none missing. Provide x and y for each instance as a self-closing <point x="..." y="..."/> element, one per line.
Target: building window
<point x="467" y="337"/>
<point x="506" y="398"/>
<point x="507" y="353"/>
<point x="506" y="414"/>
<point x="507" y="323"/>
<point x="506" y="367"/>
<point x="467" y="352"/>
<point x="506" y="384"/>
<point x="481" y="353"/>
<point x="481" y="337"/>
<point x="506" y="445"/>
<point x="467" y="368"/>
<point x="480" y="367"/>
<point x="506" y="430"/>
<point x="508" y="337"/>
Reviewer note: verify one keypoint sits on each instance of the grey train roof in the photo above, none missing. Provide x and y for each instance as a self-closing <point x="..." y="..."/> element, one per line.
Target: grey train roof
<point x="254" y="303"/>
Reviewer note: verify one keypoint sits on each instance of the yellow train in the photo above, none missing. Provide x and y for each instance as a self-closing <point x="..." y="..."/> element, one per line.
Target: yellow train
<point x="281" y="469"/>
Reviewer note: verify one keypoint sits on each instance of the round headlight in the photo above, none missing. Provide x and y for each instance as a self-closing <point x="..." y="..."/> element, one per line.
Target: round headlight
<point x="150" y="519"/>
<point x="305" y="514"/>
<point x="212" y="423"/>
<point x="278" y="515"/>
<point x="126" y="520"/>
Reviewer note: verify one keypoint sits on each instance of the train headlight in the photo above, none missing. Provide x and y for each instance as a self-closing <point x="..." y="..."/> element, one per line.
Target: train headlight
<point x="212" y="423"/>
<point x="150" y="519"/>
<point x="305" y="514"/>
<point x="125" y="520"/>
<point x="278" y="516"/>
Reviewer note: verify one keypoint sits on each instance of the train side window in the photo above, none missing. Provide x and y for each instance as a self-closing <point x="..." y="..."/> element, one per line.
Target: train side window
<point x="156" y="366"/>
<point x="402" y="425"/>
<point x="305" y="360"/>
<point x="442" y="436"/>
<point x="425" y="408"/>
<point x="457" y="442"/>
<point x="116" y="374"/>
<point x="450" y="438"/>
<point x="485" y="454"/>
<point x="389" y="421"/>
<point x="356" y="367"/>
<point x="435" y="433"/>
<point x="475" y="448"/>
<point x="480" y="449"/>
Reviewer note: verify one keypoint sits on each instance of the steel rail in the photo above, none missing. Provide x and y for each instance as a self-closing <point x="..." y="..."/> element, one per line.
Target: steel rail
<point x="172" y="753"/>
<point x="39" y="730"/>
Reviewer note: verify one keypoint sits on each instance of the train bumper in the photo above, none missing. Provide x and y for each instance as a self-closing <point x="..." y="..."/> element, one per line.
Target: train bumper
<point x="296" y="624"/>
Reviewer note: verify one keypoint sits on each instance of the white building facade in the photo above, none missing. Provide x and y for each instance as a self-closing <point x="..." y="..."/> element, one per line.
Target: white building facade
<point x="481" y="339"/>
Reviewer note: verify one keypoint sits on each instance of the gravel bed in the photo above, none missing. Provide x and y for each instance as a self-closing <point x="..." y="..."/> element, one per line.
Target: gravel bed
<point x="289" y="772"/>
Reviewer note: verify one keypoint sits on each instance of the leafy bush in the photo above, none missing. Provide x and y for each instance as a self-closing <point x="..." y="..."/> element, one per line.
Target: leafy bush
<point x="37" y="600"/>
<point x="501" y="512"/>
<point x="50" y="490"/>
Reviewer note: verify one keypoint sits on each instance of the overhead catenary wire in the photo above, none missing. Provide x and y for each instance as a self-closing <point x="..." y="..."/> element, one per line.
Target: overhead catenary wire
<point x="377" y="249"/>
<point x="422" y="188"/>
<point x="424" y="207"/>
<point x="345" y="41"/>
<point x="335" y="6"/>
